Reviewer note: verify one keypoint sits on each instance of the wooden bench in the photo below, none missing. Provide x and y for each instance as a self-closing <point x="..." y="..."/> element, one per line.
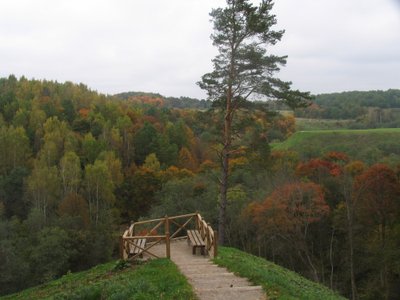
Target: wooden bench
<point x="137" y="247"/>
<point x="195" y="239"/>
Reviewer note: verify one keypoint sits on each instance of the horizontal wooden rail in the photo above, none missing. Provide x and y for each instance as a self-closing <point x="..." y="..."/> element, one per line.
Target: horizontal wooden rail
<point x="137" y="237"/>
<point x="207" y="234"/>
<point x="162" y="219"/>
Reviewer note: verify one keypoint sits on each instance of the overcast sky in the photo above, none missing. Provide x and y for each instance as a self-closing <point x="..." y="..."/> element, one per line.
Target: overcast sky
<point x="163" y="45"/>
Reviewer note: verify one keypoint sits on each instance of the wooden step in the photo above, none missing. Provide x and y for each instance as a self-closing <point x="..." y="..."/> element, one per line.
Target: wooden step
<point x="236" y="293"/>
<point x="210" y="269"/>
<point x="219" y="282"/>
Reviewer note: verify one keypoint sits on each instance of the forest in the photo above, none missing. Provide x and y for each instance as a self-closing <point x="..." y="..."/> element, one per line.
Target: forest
<point x="77" y="166"/>
<point x="367" y="109"/>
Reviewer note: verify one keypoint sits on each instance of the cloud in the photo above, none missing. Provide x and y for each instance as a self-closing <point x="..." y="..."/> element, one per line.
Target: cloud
<point x="164" y="46"/>
<point x="340" y="45"/>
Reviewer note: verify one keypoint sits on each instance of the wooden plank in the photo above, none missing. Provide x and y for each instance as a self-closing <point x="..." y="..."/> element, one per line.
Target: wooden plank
<point x="190" y="235"/>
<point x="162" y="219"/>
<point x="182" y="216"/>
<point x="195" y="238"/>
<point x="130" y="230"/>
<point x="155" y="227"/>
<point x="137" y="246"/>
<point x="200" y="239"/>
<point x="180" y="226"/>
<point x="146" y="250"/>
<point x="138" y="237"/>
<point x="122" y="253"/>
<point x="149" y="221"/>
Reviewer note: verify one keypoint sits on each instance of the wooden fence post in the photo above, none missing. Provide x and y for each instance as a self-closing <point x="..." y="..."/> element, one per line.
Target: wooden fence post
<point x="208" y="236"/>
<point x="167" y="241"/>
<point x="215" y="243"/>
<point x="121" y="247"/>
<point x="133" y="228"/>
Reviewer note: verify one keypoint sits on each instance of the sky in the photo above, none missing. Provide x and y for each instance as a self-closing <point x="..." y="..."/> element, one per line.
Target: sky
<point x="164" y="46"/>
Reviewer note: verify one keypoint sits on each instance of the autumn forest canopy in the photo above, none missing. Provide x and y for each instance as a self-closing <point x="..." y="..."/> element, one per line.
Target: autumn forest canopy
<point x="76" y="165"/>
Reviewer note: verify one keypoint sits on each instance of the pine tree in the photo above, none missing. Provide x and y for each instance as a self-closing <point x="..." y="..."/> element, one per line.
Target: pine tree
<point x="242" y="69"/>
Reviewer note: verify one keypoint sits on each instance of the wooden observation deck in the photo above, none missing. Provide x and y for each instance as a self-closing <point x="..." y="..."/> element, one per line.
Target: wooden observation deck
<point x="140" y="238"/>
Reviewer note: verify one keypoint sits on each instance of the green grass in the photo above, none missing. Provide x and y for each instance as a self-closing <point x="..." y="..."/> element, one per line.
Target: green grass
<point x="278" y="282"/>
<point x="161" y="279"/>
<point x="321" y="124"/>
<point x="369" y="145"/>
<point x="157" y="279"/>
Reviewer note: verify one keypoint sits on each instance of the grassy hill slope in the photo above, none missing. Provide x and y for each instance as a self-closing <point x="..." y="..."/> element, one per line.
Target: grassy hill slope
<point x="160" y="279"/>
<point x="278" y="282"/>
<point x="369" y="145"/>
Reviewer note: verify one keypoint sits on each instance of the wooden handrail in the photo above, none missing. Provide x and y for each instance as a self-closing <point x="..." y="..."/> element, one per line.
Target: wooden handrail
<point x="137" y="237"/>
<point x="207" y="233"/>
<point x="162" y="219"/>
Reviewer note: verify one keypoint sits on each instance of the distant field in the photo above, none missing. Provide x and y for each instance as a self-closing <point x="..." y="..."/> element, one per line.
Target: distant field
<point x="369" y="145"/>
<point x="321" y="124"/>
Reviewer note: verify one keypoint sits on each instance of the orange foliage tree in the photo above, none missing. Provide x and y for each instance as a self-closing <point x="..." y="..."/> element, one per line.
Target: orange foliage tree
<point x="317" y="168"/>
<point x="291" y="208"/>
<point x="287" y="214"/>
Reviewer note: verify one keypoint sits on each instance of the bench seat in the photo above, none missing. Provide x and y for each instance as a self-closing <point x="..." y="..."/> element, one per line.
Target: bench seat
<point x="196" y="241"/>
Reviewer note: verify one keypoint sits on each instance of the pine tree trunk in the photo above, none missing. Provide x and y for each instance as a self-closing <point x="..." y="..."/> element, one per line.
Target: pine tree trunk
<point x="224" y="178"/>
<point x="225" y="165"/>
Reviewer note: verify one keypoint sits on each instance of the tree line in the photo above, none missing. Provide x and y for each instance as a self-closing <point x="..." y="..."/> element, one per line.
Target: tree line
<point x="76" y="165"/>
<point x="369" y="109"/>
<point x="169" y="102"/>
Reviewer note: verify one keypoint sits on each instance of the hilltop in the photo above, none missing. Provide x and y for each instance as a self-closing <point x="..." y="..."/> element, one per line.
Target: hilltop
<point x="160" y="279"/>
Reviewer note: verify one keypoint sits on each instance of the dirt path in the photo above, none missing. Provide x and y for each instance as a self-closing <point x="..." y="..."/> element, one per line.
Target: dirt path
<point x="208" y="280"/>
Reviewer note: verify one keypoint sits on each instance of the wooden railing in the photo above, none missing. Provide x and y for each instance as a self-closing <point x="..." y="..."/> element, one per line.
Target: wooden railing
<point x="150" y="229"/>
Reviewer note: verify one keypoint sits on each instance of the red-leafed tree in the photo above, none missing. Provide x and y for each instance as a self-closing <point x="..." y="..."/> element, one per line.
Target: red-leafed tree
<point x="336" y="174"/>
<point x="316" y="169"/>
<point x="288" y="212"/>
